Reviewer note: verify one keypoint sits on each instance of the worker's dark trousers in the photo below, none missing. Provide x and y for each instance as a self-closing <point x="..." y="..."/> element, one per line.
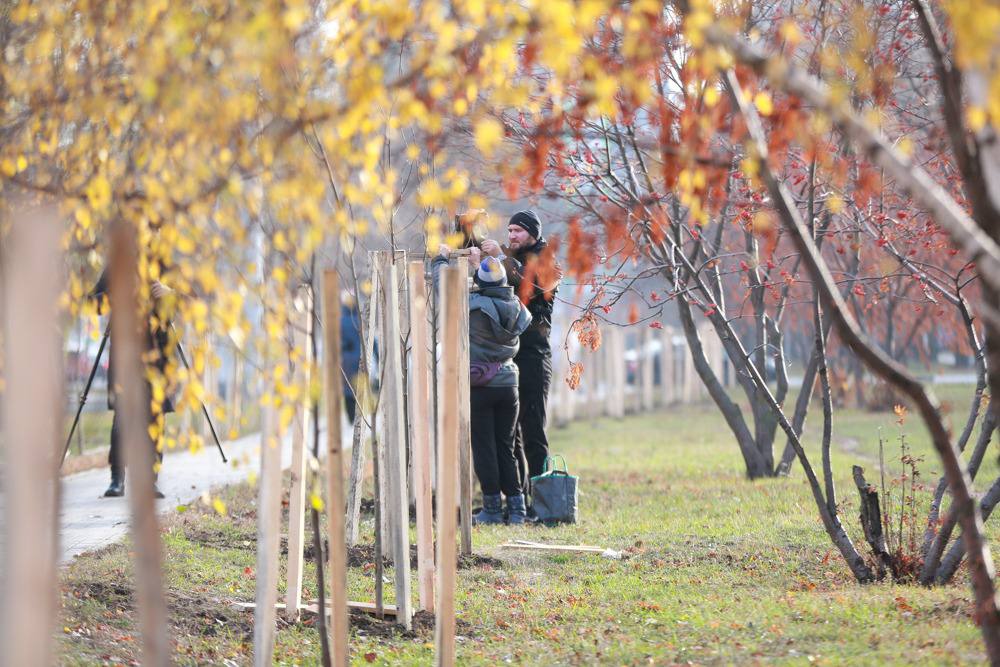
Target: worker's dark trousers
<point x="494" y="419"/>
<point x="531" y="446"/>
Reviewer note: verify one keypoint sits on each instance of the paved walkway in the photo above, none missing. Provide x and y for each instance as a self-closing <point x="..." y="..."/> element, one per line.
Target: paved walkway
<point x="90" y="521"/>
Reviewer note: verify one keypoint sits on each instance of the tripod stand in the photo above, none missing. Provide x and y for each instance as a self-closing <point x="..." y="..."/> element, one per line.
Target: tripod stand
<point x="90" y="381"/>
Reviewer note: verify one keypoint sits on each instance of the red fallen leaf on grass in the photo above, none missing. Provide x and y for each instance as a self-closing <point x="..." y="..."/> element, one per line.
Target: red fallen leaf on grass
<point x="248" y="571"/>
<point x="370" y="657"/>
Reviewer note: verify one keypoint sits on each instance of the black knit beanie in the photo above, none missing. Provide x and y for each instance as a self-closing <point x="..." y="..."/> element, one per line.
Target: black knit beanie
<point x="528" y="221"/>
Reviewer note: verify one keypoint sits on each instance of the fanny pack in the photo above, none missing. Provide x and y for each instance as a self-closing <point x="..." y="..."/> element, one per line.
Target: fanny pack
<point x="481" y="372"/>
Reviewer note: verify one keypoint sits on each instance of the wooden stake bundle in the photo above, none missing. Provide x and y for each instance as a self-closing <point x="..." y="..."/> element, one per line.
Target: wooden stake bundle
<point x="395" y="447"/>
<point x="32" y="439"/>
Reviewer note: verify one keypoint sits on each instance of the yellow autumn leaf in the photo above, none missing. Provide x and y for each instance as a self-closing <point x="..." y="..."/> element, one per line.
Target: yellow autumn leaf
<point x="220" y="506"/>
<point x="976" y="117"/>
<point x="316" y="501"/>
<point x="488" y="133"/>
<point x="763" y="103"/>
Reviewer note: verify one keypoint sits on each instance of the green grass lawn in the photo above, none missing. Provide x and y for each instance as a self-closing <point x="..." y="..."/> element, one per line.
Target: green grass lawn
<point x="717" y="569"/>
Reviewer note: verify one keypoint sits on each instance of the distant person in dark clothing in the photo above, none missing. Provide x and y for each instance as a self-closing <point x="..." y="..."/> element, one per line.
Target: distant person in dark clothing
<point x="496" y="320"/>
<point x="157" y="348"/>
<point x="350" y="350"/>
<point x="536" y="283"/>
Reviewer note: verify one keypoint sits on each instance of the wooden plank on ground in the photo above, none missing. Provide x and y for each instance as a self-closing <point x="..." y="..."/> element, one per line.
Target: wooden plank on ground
<point x="301" y="324"/>
<point x="578" y="548"/>
<point x="32" y="437"/>
<point x="420" y="433"/>
<point x="312" y="607"/>
<point x="465" y="482"/>
<point x="128" y="336"/>
<point x="395" y="446"/>
<point x="451" y="307"/>
<point x="339" y="625"/>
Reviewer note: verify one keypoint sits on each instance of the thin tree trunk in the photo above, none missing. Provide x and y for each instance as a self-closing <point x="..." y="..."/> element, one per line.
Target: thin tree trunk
<point x="824" y="382"/>
<point x="932" y="558"/>
<point x="756" y="466"/>
<point x="934" y="514"/>
<point x="801" y="407"/>
<point x="950" y="563"/>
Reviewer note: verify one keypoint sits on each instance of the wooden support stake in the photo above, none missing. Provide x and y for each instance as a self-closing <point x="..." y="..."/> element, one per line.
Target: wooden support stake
<point x="268" y="519"/>
<point x="450" y="307"/>
<point x="236" y="394"/>
<point x="301" y="323"/>
<point x="464" y="415"/>
<point x="32" y="420"/>
<point x="616" y="371"/>
<point x="211" y="390"/>
<point x="571" y="395"/>
<point x="592" y="381"/>
<point x="668" y="372"/>
<point x="355" y="486"/>
<point x="380" y="263"/>
<point x="395" y="447"/>
<point x="420" y="433"/>
<point x="129" y="333"/>
<point x="690" y="377"/>
<point x="338" y="626"/>
<point x="646" y="365"/>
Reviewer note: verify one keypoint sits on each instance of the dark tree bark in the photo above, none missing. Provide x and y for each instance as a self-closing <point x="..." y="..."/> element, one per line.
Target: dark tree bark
<point x="871" y="519"/>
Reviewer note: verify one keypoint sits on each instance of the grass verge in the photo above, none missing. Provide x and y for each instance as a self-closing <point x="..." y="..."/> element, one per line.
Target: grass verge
<point x="716" y="570"/>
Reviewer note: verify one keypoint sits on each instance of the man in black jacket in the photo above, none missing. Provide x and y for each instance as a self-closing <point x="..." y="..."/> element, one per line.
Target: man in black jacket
<point x="157" y="346"/>
<point x="536" y="283"/>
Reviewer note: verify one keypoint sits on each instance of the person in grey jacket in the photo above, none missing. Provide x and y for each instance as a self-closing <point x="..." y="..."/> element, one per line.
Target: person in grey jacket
<point x="497" y="318"/>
